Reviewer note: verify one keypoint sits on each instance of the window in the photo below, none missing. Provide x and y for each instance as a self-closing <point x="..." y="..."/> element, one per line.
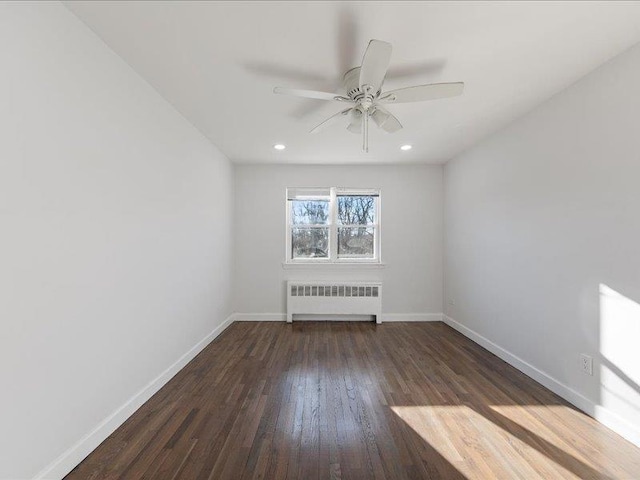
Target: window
<point x="333" y="225"/>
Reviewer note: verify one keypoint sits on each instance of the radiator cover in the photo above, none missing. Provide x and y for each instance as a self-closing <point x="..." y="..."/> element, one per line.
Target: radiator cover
<point x="334" y="298"/>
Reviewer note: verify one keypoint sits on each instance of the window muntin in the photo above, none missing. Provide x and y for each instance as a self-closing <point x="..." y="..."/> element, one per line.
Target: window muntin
<point x="333" y="225"/>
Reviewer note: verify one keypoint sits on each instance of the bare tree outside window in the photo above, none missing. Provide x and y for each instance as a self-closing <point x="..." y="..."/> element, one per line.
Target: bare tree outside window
<point x="356" y="215"/>
<point x="332" y="224"/>
<point x="356" y="210"/>
<point x="310" y="235"/>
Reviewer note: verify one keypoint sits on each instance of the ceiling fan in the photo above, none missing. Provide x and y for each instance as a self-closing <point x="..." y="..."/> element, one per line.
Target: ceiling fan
<point x="363" y="85"/>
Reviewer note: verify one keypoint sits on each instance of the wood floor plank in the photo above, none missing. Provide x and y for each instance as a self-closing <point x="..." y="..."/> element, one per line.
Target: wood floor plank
<point x="332" y="400"/>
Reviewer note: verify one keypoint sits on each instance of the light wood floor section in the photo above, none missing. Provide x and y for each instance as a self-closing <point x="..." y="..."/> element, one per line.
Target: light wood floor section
<point x="329" y="400"/>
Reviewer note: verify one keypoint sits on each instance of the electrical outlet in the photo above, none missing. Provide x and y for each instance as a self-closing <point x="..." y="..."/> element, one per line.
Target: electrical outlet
<point x="586" y="362"/>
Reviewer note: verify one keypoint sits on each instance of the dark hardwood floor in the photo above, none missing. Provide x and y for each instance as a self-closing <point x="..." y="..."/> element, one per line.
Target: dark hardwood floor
<point x="356" y="401"/>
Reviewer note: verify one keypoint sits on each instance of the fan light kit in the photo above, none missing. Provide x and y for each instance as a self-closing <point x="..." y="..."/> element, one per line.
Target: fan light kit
<point x="363" y="85"/>
<point x="406" y="147"/>
<point x="279" y="146"/>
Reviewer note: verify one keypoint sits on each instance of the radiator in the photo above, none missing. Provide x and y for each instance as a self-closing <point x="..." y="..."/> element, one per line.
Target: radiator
<point x="330" y="298"/>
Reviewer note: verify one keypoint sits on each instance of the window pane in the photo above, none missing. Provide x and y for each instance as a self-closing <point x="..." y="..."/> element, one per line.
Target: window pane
<point x="310" y="212"/>
<point x="310" y="242"/>
<point x="355" y="242"/>
<point x="356" y="210"/>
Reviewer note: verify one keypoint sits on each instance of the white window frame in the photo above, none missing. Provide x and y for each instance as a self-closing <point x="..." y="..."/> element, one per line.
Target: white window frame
<point x="333" y="228"/>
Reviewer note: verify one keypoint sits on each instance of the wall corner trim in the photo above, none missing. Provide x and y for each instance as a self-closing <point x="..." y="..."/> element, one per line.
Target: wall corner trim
<point x="66" y="462"/>
<point x="608" y="418"/>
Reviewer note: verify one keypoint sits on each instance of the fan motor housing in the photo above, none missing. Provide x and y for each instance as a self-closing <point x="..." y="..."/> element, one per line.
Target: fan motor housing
<point x="351" y="82"/>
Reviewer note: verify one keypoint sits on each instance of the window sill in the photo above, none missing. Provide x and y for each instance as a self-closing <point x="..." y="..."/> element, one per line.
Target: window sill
<point x="335" y="265"/>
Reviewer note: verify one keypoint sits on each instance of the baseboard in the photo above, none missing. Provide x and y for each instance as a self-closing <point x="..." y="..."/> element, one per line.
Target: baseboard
<point x="618" y="424"/>
<point x="332" y="318"/>
<point x="386" y="317"/>
<point x="412" y="317"/>
<point x="74" y="455"/>
<point x="259" y="317"/>
<point x="580" y="401"/>
<point x="608" y="418"/>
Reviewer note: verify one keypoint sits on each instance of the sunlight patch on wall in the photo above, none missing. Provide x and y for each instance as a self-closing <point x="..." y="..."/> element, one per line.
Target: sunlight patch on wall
<point x="620" y="354"/>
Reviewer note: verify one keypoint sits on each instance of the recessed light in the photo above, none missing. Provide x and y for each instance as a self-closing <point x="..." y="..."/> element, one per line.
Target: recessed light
<point x="279" y="146"/>
<point x="405" y="147"/>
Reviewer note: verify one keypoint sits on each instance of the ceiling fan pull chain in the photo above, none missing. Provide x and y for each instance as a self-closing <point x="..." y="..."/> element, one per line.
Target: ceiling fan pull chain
<point x="365" y="132"/>
<point x="366" y="150"/>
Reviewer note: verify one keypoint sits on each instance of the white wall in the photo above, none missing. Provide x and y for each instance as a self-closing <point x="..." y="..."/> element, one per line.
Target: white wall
<point x="539" y="220"/>
<point x="115" y="235"/>
<point x="411" y="233"/>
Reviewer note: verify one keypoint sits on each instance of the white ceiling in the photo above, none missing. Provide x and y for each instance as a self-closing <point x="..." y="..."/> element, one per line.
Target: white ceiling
<point x="217" y="63"/>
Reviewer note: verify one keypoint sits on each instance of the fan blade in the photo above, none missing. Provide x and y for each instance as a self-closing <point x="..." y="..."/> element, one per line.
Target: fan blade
<point x="329" y="120"/>
<point x="374" y="64"/>
<point x="355" y="126"/>
<point x="310" y="94"/>
<point x="385" y="120"/>
<point x="421" y="93"/>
